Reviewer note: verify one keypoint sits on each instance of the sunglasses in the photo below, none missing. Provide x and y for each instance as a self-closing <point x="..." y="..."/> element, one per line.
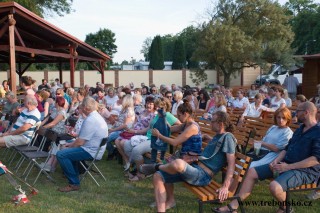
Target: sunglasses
<point x="58" y="93"/>
<point x="169" y="96"/>
<point x="153" y="90"/>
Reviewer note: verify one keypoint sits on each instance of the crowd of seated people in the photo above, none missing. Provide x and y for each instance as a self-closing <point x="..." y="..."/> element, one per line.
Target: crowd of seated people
<point x="127" y="116"/>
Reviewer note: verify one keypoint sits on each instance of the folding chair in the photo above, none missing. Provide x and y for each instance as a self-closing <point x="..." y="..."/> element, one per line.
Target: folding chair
<point x="34" y="156"/>
<point x="31" y="147"/>
<point x="92" y="164"/>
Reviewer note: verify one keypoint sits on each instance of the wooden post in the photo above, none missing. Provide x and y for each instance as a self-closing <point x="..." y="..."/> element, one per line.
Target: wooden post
<point x="12" y="50"/>
<point x="72" y="67"/>
<point x="60" y="73"/>
<point x="102" y="70"/>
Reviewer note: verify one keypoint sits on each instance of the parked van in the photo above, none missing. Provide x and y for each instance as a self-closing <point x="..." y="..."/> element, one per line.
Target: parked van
<point x="278" y="73"/>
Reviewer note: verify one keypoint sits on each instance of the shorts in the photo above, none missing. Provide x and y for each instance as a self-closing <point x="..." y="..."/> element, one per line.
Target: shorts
<point x="193" y="174"/>
<point x="15" y="140"/>
<point x="288" y="179"/>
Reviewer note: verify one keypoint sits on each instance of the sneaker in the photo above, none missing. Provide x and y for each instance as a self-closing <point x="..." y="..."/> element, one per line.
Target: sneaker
<point x="148" y="169"/>
<point x="126" y="167"/>
<point x="313" y="195"/>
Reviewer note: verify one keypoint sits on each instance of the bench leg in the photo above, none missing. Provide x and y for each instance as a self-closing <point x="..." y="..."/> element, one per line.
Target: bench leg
<point x="241" y="206"/>
<point x="287" y="202"/>
<point x="200" y="206"/>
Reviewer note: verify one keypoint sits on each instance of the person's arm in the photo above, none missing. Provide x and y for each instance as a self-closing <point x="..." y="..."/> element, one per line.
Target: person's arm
<point x="185" y="135"/>
<point x="224" y="190"/>
<point x="77" y="143"/>
<point x="269" y="146"/>
<point x="177" y="128"/>
<point x="54" y="122"/>
<point x="306" y="163"/>
<point x="124" y="125"/>
<point x="278" y="159"/>
<point x="19" y="131"/>
<point x="46" y="109"/>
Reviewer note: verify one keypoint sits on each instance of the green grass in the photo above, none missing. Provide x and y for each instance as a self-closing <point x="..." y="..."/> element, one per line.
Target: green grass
<point x="118" y="194"/>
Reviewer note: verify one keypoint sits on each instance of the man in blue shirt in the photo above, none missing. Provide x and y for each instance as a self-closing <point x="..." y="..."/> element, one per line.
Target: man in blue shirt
<point x="298" y="164"/>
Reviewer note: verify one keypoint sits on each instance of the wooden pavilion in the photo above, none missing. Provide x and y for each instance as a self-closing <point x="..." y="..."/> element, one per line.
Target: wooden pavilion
<point x="26" y="38"/>
<point x="311" y="75"/>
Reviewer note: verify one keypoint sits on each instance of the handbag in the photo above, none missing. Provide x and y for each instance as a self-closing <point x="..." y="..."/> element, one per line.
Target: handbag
<point x="126" y="135"/>
<point x="255" y="157"/>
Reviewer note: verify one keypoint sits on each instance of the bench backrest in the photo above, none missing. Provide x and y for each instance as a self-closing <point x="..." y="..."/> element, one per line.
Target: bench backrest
<point x="241" y="167"/>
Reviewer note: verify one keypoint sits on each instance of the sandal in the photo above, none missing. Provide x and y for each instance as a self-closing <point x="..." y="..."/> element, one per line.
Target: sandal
<point x="230" y="210"/>
<point x="137" y="178"/>
<point x="283" y="209"/>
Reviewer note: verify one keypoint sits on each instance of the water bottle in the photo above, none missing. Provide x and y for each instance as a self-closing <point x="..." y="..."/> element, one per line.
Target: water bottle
<point x="159" y="142"/>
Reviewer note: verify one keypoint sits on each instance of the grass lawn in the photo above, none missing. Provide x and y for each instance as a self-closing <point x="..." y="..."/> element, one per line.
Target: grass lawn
<point x="118" y="194"/>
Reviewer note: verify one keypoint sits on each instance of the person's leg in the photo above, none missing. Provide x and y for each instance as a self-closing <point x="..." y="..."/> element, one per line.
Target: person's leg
<point x="67" y="159"/>
<point x="245" y="190"/>
<point x="162" y="155"/>
<point x="160" y="192"/>
<point x="176" y="166"/>
<point x="112" y="137"/>
<point x="137" y="154"/>
<point x="120" y="146"/>
<point x="2" y="143"/>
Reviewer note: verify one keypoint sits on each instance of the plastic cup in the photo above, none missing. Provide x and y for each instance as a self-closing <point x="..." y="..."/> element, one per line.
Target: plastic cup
<point x="257" y="147"/>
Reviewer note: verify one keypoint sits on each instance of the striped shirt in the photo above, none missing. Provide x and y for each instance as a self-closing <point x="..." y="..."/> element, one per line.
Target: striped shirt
<point x="27" y="117"/>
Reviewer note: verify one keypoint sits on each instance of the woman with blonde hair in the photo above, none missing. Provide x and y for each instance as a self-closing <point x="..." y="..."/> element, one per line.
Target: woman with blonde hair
<point x="220" y="105"/>
<point x="285" y="96"/>
<point x="177" y="95"/>
<point x="125" y="121"/>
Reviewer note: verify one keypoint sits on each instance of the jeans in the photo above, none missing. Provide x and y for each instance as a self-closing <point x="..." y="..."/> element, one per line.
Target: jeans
<point x="68" y="159"/>
<point x="112" y="137"/>
<point x="154" y="154"/>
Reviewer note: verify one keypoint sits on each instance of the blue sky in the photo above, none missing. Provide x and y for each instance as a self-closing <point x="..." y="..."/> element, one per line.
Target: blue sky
<point x="131" y="20"/>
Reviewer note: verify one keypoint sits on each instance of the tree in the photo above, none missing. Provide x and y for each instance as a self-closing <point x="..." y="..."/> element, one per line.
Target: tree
<point x="245" y="33"/>
<point x="46" y="7"/>
<point x="168" y="42"/>
<point x="104" y="40"/>
<point x="146" y="47"/>
<point x="190" y="37"/>
<point x="305" y="24"/>
<point x="179" y="55"/>
<point x="156" y="54"/>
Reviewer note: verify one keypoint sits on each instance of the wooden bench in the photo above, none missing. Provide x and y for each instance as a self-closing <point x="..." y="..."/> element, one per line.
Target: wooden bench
<point x="208" y="194"/>
<point x="304" y="187"/>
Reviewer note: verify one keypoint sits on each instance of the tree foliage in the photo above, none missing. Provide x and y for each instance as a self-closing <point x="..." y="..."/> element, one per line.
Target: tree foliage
<point x="306" y="26"/>
<point x="190" y="37"/>
<point x="245" y="33"/>
<point x="146" y="47"/>
<point x="156" y="54"/>
<point x="46" y="7"/>
<point x="168" y="42"/>
<point x="104" y="40"/>
<point x="179" y="55"/>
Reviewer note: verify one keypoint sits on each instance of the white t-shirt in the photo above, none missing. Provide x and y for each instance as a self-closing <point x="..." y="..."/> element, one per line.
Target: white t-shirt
<point x="252" y="111"/>
<point x="237" y="103"/>
<point x="274" y="105"/>
<point x="110" y="101"/>
<point x="175" y="107"/>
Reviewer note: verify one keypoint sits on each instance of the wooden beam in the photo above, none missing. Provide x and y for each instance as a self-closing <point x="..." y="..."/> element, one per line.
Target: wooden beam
<point x="4" y="29"/>
<point x="12" y="56"/>
<point x="85" y="58"/>
<point x="42" y="52"/>
<point x="95" y="66"/>
<point x="25" y="69"/>
<point x="3" y="19"/>
<point x="60" y="72"/>
<point x="19" y="37"/>
<point x="72" y="67"/>
<point x="102" y="63"/>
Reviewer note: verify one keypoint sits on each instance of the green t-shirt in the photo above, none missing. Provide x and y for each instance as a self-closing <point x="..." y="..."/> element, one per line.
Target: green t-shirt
<point x="170" y="119"/>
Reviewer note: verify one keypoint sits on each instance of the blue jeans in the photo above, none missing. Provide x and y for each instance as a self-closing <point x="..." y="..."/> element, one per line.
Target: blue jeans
<point x="68" y="159"/>
<point x="193" y="174"/>
<point x="112" y="137"/>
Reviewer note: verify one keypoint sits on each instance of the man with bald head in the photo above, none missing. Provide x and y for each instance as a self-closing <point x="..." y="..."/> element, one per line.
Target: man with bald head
<point x="22" y="130"/>
<point x="298" y="164"/>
